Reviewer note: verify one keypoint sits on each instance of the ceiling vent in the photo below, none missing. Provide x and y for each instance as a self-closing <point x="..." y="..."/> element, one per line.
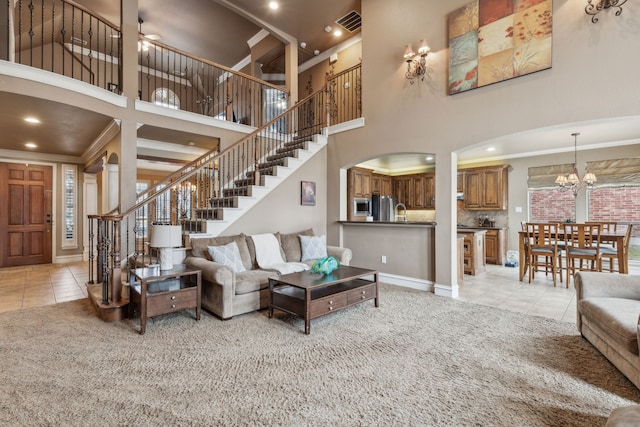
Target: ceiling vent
<point x="351" y="22"/>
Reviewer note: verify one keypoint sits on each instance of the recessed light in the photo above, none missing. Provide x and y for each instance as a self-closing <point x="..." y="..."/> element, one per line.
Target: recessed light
<point x="491" y="149"/>
<point x="30" y="145"/>
<point x="273" y="5"/>
<point x="337" y="33"/>
<point x="316" y="52"/>
<point x="31" y="120"/>
<point x="429" y="158"/>
<point x="328" y="28"/>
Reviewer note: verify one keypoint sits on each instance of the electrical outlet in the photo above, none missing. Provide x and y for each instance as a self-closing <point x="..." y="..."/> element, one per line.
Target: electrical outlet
<point x="384" y="259"/>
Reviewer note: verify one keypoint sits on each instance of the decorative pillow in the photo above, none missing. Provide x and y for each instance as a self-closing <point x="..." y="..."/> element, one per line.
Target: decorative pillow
<point x="228" y="255"/>
<point x="291" y="244"/>
<point x="313" y="247"/>
<point x="200" y="247"/>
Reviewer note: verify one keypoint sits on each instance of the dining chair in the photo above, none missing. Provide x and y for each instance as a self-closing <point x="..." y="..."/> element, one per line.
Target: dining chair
<point x="611" y="253"/>
<point x="605" y="227"/>
<point x="582" y="243"/>
<point x="543" y="253"/>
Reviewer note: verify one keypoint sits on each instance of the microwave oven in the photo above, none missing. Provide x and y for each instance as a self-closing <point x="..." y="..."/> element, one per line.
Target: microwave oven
<point x="361" y="207"/>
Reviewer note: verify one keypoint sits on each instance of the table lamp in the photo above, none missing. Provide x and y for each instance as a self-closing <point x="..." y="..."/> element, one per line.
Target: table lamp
<point x="165" y="238"/>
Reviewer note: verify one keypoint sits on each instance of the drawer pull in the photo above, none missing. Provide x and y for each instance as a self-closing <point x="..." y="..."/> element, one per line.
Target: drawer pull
<point x="330" y="308"/>
<point x="362" y="292"/>
<point x="173" y="306"/>
<point x="362" y="297"/>
<point x="330" y="302"/>
<point x="173" y="297"/>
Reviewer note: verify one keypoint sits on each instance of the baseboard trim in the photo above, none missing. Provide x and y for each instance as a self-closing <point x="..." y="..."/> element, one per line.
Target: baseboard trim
<point x="406" y="282"/>
<point x="68" y="258"/>
<point x="446" y="290"/>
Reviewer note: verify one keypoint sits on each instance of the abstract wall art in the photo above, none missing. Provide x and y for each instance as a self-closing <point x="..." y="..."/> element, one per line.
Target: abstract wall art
<point x="495" y="40"/>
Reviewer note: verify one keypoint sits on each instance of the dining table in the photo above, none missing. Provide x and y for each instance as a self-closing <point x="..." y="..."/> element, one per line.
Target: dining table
<point x="614" y="237"/>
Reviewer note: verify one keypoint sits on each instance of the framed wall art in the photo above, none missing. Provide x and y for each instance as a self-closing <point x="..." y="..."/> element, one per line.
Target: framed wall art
<point x="308" y="193"/>
<point x="495" y="40"/>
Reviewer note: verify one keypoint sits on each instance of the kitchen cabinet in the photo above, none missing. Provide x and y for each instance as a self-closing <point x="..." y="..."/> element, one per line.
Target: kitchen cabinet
<point x="403" y="190"/>
<point x="415" y="191"/>
<point x="360" y="182"/>
<point x="486" y="188"/>
<point x="460" y="183"/>
<point x="381" y="185"/>
<point x="474" y="251"/>
<point x="429" y="185"/>
<point x="496" y="246"/>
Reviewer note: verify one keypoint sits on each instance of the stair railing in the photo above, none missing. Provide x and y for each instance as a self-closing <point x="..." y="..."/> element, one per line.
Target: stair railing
<point x="199" y="191"/>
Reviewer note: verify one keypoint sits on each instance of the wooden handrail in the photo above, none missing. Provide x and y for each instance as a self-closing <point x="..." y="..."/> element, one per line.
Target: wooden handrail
<point x="214" y="64"/>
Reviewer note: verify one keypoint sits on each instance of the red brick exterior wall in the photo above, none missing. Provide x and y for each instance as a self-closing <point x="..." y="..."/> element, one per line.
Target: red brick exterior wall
<point x="552" y="205"/>
<point x="605" y="204"/>
<point x="615" y="204"/>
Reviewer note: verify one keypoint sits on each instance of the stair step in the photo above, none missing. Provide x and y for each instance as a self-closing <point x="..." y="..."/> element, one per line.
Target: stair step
<point x="292" y="145"/>
<point x="225" y="202"/>
<point x="242" y="190"/>
<point x="271" y="164"/>
<point x="270" y="171"/>
<point x="209" y="213"/>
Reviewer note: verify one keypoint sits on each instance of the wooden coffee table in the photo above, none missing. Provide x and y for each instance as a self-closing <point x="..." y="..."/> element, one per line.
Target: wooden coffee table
<point x="311" y="295"/>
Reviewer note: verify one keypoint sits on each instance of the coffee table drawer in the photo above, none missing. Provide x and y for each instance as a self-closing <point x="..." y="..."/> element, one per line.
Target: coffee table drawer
<point x="327" y="305"/>
<point x="361" y="293"/>
<point x="170" y="302"/>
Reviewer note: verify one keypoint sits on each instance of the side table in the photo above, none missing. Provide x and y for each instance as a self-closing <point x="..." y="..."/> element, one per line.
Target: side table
<point x="154" y="291"/>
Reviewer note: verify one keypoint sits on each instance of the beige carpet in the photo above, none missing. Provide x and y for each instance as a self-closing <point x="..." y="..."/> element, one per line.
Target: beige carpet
<point x="418" y="360"/>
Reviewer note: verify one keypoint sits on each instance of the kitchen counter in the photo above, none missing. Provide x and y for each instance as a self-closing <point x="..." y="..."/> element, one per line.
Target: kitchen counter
<point x="391" y="223"/>
<point x="468" y="227"/>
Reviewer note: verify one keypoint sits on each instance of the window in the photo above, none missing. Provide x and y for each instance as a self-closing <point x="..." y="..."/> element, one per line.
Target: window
<point x="165" y="97"/>
<point x="69" y="174"/>
<point x="546" y="203"/>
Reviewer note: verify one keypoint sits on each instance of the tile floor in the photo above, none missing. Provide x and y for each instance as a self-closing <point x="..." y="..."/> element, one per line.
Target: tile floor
<point x="499" y="287"/>
<point x="38" y="285"/>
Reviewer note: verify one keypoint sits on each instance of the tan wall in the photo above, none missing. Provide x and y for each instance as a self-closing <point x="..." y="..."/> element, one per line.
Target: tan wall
<point x="409" y="250"/>
<point x="422" y="118"/>
<point x="346" y="59"/>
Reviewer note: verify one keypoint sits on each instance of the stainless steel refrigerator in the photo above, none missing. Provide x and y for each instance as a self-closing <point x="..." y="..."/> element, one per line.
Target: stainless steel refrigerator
<point x="382" y="208"/>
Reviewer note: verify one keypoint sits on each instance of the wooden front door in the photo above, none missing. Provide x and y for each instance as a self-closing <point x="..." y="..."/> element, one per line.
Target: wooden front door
<point x="25" y="214"/>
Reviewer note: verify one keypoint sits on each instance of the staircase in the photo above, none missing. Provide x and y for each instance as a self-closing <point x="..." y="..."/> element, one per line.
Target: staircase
<point x="244" y="194"/>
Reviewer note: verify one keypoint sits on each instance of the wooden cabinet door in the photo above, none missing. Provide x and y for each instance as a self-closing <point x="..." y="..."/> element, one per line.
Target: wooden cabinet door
<point x="493" y="192"/>
<point x="360" y="181"/>
<point x="460" y="183"/>
<point x="473" y="190"/>
<point x="376" y="184"/>
<point x="491" y="246"/>
<point x="418" y="192"/>
<point x="386" y="187"/>
<point x="429" y="185"/>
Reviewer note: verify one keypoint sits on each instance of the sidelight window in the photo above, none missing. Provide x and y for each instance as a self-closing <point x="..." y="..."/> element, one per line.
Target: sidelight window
<point x="70" y="176"/>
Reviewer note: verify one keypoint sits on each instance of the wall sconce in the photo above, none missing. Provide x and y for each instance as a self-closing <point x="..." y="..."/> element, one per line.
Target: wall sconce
<point x="596" y="6"/>
<point x="416" y="66"/>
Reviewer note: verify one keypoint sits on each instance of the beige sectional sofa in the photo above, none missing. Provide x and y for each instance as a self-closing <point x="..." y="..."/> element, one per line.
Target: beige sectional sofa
<point x="226" y="293"/>
<point x="608" y="315"/>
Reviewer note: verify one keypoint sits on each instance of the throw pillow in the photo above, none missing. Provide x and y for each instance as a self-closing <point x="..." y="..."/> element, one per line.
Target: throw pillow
<point x="313" y="247"/>
<point x="228" y="255"/>
<point x="290" y="243"/>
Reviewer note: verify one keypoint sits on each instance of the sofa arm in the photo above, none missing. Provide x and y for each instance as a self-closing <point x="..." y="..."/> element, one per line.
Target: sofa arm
<point x="212" y="271"/>
<point x="342" y="254"/>
<point x="612" y="285"/>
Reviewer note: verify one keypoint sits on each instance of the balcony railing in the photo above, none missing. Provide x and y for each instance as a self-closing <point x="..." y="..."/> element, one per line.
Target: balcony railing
<point x="183" y="81"/>
<point x="63" y="38"/>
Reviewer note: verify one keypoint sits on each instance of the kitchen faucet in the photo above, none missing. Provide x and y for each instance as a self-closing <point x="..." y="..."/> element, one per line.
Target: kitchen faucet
<point x="396" y="212"/>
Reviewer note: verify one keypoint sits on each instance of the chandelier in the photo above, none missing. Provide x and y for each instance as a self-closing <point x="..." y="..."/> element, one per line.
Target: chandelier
<point x="416" y="67"/>
<point x="596" y="6"/>
<point x="572" y="181"/>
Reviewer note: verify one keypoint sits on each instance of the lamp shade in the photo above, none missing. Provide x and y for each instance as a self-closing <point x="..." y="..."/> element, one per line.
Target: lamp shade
<point x="166" y="236"/>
